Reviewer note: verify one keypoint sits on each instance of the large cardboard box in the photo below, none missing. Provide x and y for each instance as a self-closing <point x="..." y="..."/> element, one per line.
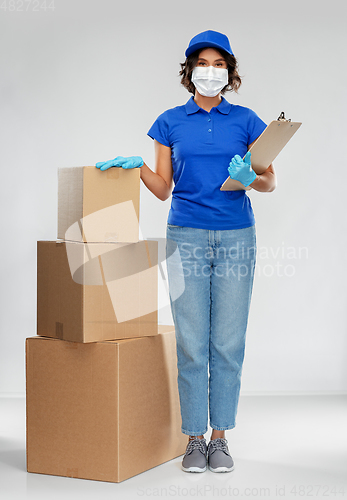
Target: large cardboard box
<point x="105" y="411"/>
<point x="98" y="206"/>
<point x="88" y="292"/>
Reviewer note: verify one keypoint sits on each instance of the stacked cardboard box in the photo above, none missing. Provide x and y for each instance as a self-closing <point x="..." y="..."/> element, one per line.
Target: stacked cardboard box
<point x="99" y="282"/>
<point x="102" y="398"/>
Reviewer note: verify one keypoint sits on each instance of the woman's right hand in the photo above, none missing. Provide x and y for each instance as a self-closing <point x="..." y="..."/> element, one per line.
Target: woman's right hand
<point x="121" y="161"/>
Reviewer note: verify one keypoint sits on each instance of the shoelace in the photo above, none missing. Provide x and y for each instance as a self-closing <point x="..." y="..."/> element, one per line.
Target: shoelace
<point x="218" y="444"/>
<point x="196" y="444"/>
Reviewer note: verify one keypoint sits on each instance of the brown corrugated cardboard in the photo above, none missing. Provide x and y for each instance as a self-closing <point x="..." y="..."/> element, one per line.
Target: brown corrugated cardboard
<point x="98" y="206"/>
<point x="104" y="411"/>
<point x="88" y="292"/>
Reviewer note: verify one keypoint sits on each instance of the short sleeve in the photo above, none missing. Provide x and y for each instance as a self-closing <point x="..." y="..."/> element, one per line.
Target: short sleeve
<point x="160" y="130"/>
<point x="256" y="126"/>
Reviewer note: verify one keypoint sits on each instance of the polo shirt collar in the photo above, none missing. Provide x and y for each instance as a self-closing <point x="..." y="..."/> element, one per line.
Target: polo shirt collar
<point x="191" y="106"/>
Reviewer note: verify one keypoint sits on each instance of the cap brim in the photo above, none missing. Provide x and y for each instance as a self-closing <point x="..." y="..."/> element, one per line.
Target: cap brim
<point x="202" y="45"/>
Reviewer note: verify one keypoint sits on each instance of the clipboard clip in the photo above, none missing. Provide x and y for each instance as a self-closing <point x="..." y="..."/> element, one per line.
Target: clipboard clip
<point x="282" y="118"/>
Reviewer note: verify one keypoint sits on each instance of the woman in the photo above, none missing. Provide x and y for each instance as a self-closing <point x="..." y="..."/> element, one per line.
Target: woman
<point x="211" y="240"/>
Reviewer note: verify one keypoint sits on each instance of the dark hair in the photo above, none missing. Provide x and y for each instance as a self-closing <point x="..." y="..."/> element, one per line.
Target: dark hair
<point x="191" y="61"/>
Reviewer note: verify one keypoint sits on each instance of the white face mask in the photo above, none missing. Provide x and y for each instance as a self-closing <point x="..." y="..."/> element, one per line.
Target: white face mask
<point x="209" y="81"/>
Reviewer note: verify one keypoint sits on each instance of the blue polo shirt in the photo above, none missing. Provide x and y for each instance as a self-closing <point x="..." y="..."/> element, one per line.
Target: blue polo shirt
<point x="202" y="145"/>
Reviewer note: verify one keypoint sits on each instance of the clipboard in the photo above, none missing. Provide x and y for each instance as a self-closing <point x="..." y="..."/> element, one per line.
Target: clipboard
<point x="265" y="149"/>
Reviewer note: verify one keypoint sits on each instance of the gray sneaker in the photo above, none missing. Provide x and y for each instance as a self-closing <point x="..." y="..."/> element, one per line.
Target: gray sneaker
<point x="195" y="457"/>
<point x="219" y="459"/>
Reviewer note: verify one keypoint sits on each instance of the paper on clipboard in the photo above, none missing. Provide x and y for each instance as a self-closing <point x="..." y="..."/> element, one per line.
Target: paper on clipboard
<point x="265" y="149"/>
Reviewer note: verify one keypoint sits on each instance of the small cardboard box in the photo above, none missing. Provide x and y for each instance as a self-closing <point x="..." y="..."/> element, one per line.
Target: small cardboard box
<point x="104" y="411"/>
<point x="88" y="292"/>
<point x="98" y="206"/>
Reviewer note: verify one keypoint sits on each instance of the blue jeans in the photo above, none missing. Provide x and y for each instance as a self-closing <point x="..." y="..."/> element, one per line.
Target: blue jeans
<point x="210" y="276"/>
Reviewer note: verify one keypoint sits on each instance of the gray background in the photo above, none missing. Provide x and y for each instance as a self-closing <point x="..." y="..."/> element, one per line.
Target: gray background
<point x="84" y="82"/>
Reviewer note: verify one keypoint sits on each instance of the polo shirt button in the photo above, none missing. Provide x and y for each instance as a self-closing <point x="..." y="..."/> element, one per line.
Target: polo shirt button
<point x="209" y="119"/>
<point x="209" y="130"/>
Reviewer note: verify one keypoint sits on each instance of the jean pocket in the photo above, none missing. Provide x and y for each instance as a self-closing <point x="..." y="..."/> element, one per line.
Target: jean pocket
<point x="173" y="225"/>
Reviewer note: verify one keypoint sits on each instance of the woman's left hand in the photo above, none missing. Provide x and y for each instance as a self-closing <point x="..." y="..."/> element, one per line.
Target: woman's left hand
<point x="241" y="170"/>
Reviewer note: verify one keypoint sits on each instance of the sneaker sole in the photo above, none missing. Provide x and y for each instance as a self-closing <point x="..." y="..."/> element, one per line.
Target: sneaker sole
<point x="193" y="469"/>
<point x="222" y="469"/>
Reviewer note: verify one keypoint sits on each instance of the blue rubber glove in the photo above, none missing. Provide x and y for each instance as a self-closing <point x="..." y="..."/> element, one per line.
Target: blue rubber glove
<point x="121" y="161"/>
<point x="241" y="170"/>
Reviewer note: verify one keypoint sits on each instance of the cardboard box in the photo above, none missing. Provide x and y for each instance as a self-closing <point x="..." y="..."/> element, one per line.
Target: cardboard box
<point x="88" y="292"/>
<point x="104" y="411"/>
<point x="98" y="206"/>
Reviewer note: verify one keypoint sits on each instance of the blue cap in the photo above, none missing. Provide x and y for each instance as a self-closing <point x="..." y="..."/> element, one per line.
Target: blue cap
<point x="209" y="39"/>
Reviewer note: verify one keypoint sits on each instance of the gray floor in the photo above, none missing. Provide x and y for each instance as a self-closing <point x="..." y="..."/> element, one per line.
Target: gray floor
<point x="283" y="447"/>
